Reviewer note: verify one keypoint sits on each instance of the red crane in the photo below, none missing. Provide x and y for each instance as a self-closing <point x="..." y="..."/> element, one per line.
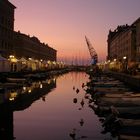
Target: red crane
<point x="93" y="54"/>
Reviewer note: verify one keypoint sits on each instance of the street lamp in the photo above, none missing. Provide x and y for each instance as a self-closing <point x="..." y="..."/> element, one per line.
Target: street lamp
<point x="11" y="56"/>
<point x="124" y="57"/>
<point x="13" y="61"/>
<point x="30" y="58"/>
<point x="125" y="63"/>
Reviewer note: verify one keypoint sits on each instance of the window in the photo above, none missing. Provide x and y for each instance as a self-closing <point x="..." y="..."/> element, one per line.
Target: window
<point x="138" y="49"/>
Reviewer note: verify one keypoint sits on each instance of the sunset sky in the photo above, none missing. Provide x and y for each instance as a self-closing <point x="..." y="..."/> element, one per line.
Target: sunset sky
<point x="63" y="23"/>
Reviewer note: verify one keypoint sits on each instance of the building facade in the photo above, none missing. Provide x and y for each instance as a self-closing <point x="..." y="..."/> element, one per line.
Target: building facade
<point x="31" y="47"/>
<point x="6" y="27"/>
<point x="18" y="44"/>
<point x="124" y="42"/>
<point x="137" y="26"/>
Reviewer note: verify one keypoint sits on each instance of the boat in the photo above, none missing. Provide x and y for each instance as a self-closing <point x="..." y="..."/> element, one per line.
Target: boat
<point x="130" y="122"/>
<point x="129" y="110"/>
<point x="10" y="85"/>
<point x="128" y="137"/>
<point x="130" y="133"/>
<point x="16" y="80"/>
<point x="123" y="99"/>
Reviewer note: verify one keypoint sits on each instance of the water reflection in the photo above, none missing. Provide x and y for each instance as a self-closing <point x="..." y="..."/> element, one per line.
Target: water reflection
<point x="6" y="122"/>
<point x="33" y="93"/>
<point x="82" y="103"/>
<point x="73" y="87"/>
<point x="40" y="86"/>
<point x="75" y="100"/>
<point x="74" y="135"/>
<point x="77" y="90"/>
<point x="81" y="122"/>
<point x="20" y="99"/>
<point x="60" y="115"/>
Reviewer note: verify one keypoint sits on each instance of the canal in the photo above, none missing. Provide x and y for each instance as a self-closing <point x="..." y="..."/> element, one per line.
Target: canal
<point x="52" y="110"/>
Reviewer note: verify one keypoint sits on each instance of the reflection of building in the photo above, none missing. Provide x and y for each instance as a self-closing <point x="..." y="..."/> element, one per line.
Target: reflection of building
<point x="21" y="102"/>
<point x="125" y="42"/>
<point x="6" y="122"/>
<point x="30" y="94"/>
<point x="6" y="27"/>
<point x="30" y="47"/>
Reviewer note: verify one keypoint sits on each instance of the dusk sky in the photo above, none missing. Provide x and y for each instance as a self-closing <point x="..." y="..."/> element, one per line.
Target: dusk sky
<point x="63" y="23"/>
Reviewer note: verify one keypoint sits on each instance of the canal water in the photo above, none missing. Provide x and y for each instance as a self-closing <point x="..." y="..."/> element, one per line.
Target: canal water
<point x="53" y="110"/>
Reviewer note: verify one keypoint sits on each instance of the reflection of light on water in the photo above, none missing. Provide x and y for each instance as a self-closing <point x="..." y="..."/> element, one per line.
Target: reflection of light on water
<point x="54" y="79"/>
<point x="24" y="88"/>
<point x="11" y="99"/>
<point x="29" y="91"/>
<point x="13" y="95"/>
<point x="36" y="84"/>
<point x="41" y="86"/>
<point x="49" y="81"/>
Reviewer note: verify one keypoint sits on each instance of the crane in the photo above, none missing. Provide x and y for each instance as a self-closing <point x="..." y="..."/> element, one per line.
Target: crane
<point x="93" y="54"/>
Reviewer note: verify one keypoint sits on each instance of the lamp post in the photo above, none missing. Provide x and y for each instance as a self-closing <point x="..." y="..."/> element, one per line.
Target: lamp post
<point x="124" y="57"/>
<point x="125" y="63"/>
<point x="115" y="60"/>
<point x="49" y="64"/>
<point x="13" y="61"/>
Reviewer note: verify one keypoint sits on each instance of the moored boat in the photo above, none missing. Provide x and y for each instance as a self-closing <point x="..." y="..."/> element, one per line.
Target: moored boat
<point x="126" y="99"/>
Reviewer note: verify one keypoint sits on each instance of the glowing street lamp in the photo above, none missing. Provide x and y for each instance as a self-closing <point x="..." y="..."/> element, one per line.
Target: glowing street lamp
<point x="12" y="58"/>
<point x="54" y="62"/>
<point x="125" y="63"/>
<point x="124" y="57"/>
<point x="49" y="62"/>
<point x="13" y="95"/>
<point x="13" y="61"/>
